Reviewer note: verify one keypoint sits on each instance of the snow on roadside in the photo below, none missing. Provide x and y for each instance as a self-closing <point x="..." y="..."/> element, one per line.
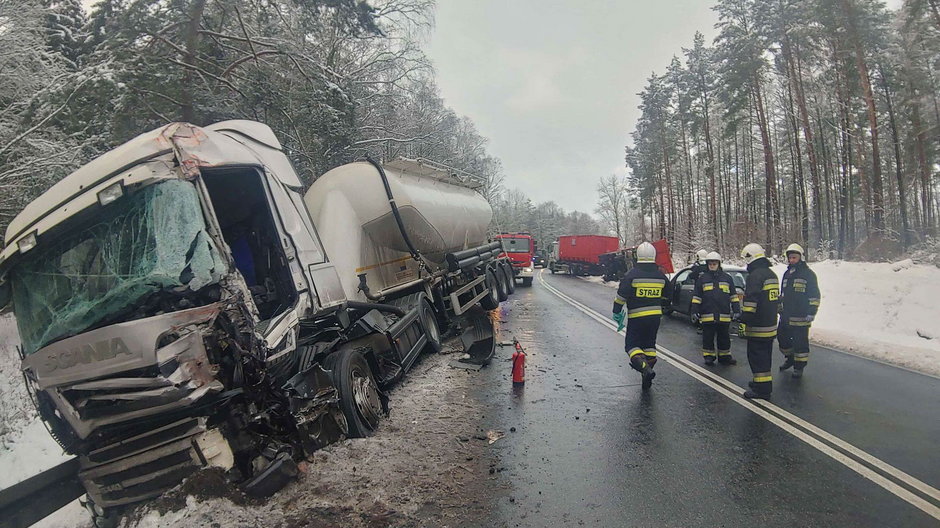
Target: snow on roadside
<point x="884" y="311"/>
<point x="26" y="447"/>
<point x="880" y="311"/>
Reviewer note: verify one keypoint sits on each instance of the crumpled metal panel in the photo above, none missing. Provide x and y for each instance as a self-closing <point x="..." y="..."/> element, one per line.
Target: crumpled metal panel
<point x="109" y="350"/>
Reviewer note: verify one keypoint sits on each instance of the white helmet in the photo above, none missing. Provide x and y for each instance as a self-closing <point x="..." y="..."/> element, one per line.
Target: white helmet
<point x="794" y="248"/>
<point x="713" y="256"/>
<point x="700" y="255"/>
<point x="645" y="252"/>
<point x="752" y="252"/>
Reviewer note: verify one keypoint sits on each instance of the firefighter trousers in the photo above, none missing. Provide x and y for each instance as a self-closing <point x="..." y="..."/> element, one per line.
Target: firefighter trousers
<point x="794" y="342"/>
<point x="720" y="333"/>
<point x="640" y="341"/>
<point x="759" y="354"/>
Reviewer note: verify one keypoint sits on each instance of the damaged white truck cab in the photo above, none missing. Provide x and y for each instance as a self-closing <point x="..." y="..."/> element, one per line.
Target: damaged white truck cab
<point x="182" y="304"/>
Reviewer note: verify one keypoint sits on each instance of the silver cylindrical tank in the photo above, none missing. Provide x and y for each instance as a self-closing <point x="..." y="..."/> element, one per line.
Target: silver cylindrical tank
<point x="350" y="208"/>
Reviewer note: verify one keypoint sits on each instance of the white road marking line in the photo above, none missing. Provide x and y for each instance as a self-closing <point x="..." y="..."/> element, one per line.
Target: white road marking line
<point x="733" y="392"/>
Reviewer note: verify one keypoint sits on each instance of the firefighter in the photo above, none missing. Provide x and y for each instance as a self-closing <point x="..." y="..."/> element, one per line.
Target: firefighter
<point x="715" y="301"/>
<point x="699" y="266"/>
<point x="799" y="295"/>
<point x="642" y="290"/>
<point x="759" y="319"/>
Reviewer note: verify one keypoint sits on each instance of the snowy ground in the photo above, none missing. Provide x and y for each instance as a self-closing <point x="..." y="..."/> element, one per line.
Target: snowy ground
<point x="429" y="464"/>
<point x="883" y="311"/>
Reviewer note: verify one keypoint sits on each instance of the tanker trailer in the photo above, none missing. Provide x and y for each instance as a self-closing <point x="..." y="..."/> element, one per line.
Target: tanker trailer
<point x="179" y="308"/>
<point x="410" y="228"/>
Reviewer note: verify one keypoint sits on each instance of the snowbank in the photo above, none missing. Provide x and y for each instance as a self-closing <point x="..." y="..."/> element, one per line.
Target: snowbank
<point x="880" y="310"/>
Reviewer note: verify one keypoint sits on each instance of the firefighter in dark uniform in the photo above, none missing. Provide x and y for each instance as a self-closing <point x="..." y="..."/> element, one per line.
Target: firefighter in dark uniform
<point x="759" y="319"/>
<point x="716" y="302"/>
<point x="700" y="265"/>
<point x="799" y="295"/>
<point x="642" y="291"/>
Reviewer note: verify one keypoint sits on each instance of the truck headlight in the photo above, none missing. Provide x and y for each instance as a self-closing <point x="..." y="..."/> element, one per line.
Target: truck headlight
<point x="27" y="243"/>
<point x="527" y="270"/>
<point x="110" y="193"/>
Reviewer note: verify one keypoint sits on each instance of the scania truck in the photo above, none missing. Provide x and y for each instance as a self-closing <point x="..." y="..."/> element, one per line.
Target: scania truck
<point x="182" y="302"/>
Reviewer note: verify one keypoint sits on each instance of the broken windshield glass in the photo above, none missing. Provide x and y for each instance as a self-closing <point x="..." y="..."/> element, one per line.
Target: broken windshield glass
<point x="150" y="241"/>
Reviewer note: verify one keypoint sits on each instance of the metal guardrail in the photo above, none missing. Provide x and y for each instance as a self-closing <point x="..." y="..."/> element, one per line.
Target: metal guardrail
<point x="29" y="501"/>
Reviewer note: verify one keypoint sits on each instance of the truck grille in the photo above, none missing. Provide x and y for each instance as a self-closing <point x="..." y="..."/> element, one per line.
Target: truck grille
<point x="144" y="466"/>
<point x="181" y="376"/>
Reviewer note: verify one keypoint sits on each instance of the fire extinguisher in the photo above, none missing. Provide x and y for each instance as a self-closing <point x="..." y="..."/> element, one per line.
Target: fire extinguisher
<point x="518" y="364"/>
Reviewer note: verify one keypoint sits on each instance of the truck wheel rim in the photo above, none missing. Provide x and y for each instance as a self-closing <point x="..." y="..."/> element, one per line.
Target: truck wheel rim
<point x="366" y="396"/>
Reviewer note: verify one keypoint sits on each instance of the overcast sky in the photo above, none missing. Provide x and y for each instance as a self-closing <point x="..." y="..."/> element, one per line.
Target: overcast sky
<point x="553" y="83"/>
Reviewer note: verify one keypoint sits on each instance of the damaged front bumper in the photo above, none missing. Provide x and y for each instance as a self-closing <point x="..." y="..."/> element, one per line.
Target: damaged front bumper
<point x="140" y="403"/>
<point x="127" y="371"/>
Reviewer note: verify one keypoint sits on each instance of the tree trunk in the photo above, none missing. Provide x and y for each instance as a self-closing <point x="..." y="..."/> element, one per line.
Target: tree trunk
<point x="799" y="195"/>
<point x="770" y="190"/>
<point x="902" y="194"/>
<point x="877" y="192"/>
<point x="810" y="148"/>
<point x="187" y="109"/>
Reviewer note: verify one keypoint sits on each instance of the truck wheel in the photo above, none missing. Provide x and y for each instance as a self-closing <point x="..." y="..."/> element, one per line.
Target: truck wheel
<point x="429" y="321"/>
<point x="491" y="301"/>
<point x="502" y="288"/>
<point x="527" y="281"/>
<point x="359" y="396"/>
<point x="510" y="279"/>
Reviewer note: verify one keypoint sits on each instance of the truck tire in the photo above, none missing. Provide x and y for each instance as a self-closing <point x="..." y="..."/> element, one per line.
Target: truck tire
<point x="502" y="288"/>
<point x="527" y="281"/>
<point x="431" y="329"/>
<point x="359" y="397"/>
<point x="491" y="301"/>
<point x="510" y="279"/>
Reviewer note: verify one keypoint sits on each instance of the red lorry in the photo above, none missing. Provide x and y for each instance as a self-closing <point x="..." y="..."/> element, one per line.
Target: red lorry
<point x="520" y="247"/>
<point x="578" y="254"/>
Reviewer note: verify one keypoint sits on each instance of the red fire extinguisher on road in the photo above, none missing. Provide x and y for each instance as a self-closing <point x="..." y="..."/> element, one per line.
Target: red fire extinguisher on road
<point x="518" y="364"/>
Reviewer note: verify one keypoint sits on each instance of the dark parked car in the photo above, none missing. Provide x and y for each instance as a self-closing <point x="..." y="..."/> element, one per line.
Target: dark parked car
<point x="683" y="286"/>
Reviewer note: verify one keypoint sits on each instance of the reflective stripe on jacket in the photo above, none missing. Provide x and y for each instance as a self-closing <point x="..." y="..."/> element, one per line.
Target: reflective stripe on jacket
<point x="761" y="294"/>
<point x="799" y="293"/>
<point x="642" y="290"/>
<point x="715" y="299"/>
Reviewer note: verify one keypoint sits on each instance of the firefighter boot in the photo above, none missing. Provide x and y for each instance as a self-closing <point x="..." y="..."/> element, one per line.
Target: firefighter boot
<point x="797" y="373"/>
<point x="648" y="375"/>
<point x="751" y="395"/>
<point x="788" y="363"/>
<point x="725" y="358"/>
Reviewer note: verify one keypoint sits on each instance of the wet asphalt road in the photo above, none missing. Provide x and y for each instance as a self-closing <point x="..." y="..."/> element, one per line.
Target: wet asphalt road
<point x="591" y="449"/>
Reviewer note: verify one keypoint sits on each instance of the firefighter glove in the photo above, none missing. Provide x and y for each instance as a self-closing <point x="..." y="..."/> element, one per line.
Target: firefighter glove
<point x="742" y="329"/>
<point x="618" y="317"/>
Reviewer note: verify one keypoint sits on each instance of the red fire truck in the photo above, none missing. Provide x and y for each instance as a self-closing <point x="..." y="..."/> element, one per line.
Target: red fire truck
<point x="520" y="247"/>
